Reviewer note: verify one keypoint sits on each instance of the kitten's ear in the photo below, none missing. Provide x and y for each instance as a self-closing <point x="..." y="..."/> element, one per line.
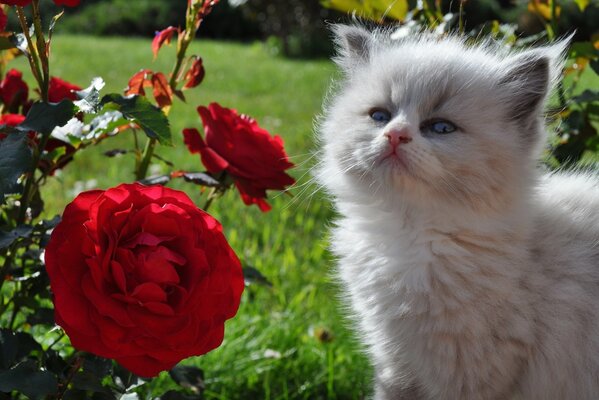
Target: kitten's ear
<point x="528" y="78"/>
<point x="354" y="44"/>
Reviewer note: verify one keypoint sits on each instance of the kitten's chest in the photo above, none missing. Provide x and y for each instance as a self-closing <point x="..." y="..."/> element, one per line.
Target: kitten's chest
<point x="404" y="273"/>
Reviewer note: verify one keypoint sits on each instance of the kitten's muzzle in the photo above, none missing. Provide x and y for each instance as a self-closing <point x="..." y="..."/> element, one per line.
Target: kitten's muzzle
<point x="398" y="136"/>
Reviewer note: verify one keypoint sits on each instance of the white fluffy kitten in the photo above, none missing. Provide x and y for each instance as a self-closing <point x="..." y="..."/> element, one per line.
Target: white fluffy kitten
<point x="473" y="273"/>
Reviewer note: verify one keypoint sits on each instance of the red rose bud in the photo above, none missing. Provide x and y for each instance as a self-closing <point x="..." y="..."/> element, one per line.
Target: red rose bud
<point x="141" y="275"/>
<point x="256" y="160"/>
<point x="13" y="90"/>
<point x="60" y="90"/>
<point x="195" y="75"/>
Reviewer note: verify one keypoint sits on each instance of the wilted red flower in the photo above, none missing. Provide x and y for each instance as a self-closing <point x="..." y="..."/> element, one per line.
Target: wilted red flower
<point x="60" y="90"/>
<point x="13" y="90"/>
<point x="235" y="143"/>
<point x="141" y="275"/>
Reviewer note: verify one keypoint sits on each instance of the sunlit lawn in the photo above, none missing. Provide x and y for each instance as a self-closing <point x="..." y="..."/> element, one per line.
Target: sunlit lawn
<point x="272" y="348"/>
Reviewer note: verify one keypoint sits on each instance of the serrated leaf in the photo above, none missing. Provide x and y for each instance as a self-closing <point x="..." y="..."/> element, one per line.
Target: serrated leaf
<point x="149" y="117"/>
<point x="252" y="276"/>
<point x="44" y="117"/>
<point x="8" y="238"/>
<point x="201" y="178"/>
<point x="188" y="377"/>
<point x="28" y="379"/>
<point x="15" y="160"/>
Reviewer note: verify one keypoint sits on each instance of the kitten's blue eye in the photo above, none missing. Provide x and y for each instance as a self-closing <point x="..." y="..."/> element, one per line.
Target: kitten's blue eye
<point x="380" y="115"/>
<point x="440" y="127"/>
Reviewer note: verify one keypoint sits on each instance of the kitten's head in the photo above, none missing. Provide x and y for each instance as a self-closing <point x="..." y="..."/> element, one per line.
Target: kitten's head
<point x="433" y="121"/>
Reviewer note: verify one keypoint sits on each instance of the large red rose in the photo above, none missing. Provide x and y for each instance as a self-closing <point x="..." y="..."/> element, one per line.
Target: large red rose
<point x="235" y="143"/>
<point x="141" y="275"/>
<point x="59" y="90"/>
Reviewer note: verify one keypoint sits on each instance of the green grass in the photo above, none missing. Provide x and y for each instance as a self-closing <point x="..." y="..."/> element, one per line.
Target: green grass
<point x="288" y="244"/>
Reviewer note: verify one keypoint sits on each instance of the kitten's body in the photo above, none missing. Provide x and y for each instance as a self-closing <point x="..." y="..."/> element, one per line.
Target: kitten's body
<point x="472" y="274"/>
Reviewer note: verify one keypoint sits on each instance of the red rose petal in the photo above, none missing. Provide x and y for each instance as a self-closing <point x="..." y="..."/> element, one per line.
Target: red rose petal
<point x="149" y="292"/>
<point x="106" y="305"/>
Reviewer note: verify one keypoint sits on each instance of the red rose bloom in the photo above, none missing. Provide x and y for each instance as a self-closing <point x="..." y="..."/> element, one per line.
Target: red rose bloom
<point x="256" y="160"/>
<point x="60" y="90"/>
<point x="13" y="90"/>
<point x="141" y="275"/>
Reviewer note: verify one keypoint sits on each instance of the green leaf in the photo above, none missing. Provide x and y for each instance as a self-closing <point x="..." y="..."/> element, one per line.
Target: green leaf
<point x="188" y="377"/>
<point x="28" y="379"/>
<point x="15" y="160"/>
<point x="8" y="238"/>
<point x="44" y="117"/>
<point x="15" y="347"/>
<point x="149" y="117"/>
<point x="9" y="345"/>
<point x="595" y="66"/>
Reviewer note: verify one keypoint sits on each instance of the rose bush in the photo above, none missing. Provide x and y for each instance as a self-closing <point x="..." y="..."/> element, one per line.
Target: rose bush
<point x="238" y="145"/>
<point x="137" y="273"/>
<point x="141" y="275"/>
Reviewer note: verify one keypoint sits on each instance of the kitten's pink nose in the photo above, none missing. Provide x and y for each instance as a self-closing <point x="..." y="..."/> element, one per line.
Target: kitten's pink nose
<point x="398" y="136"/>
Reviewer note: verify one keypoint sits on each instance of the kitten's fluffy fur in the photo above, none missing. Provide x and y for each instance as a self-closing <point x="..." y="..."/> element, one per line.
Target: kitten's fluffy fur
<point x="473" y="273"/>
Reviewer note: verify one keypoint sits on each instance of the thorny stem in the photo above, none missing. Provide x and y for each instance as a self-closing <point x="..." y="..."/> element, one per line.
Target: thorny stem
<point x="41" y="50"/>
<point x="35" y="54"/>
<point x="32" y="53"/>
<point x="75" y="365"/>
